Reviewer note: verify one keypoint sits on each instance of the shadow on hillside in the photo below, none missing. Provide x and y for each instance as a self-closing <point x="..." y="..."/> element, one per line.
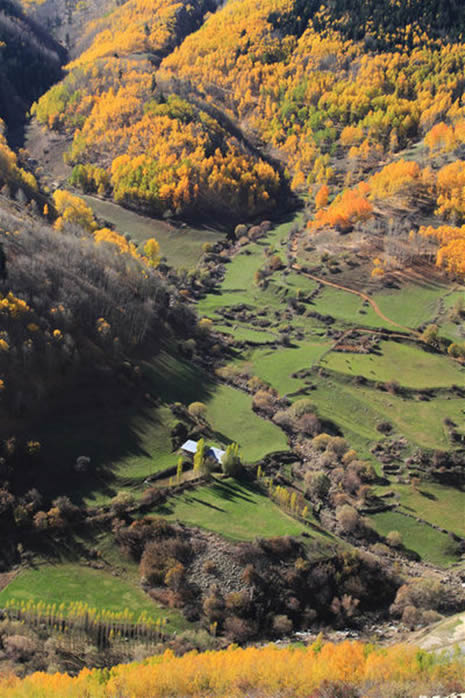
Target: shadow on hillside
<point x="111" y="423"/>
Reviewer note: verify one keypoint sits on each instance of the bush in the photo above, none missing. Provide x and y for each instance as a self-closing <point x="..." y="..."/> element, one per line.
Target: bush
<point x="301" y="407"/>
<point x="209" y="567"/>
<point x="422" y="593"/>
<point x="321" y="441"/>
<point x="161" y="557"/>
<point x="309" y="424"/>
<point x="122" y="502"/>
<point x="19" y="648"/>
<point x="282" y="625"/>
<point x="411" y="617"/>
<point x="264" y="401"/>
<point x="239" y="629"/>
<point x="318" y="483"/>
<point x="394" y="539"/>
<point x="197" y="410"/>
<point x="348" y="518"/>
<point x="238" y="602"/>
<point x="338" y="445"/>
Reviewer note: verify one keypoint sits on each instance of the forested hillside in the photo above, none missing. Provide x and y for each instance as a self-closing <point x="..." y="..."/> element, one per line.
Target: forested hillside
<point x="232" y="345"/>
<point x="150" y="149"/>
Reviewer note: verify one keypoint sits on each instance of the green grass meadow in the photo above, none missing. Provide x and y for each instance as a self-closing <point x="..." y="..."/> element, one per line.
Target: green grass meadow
<point x="236" y="510"/>
<point x="432" y="545"/>
<point x="410" y="366"/>
<point x="181" y="246"/>
<point x="70" y="582"/>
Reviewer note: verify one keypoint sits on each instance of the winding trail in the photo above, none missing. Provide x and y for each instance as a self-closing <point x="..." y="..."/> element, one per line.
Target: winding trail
<point x="362" y="295"/>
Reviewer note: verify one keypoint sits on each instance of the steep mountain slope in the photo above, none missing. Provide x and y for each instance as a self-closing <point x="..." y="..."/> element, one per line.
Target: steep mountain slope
<point x="150" y="149"/>
<point x="328" y="103"/>
<point x="327" y="346"/>
<point x="30" y="61"/>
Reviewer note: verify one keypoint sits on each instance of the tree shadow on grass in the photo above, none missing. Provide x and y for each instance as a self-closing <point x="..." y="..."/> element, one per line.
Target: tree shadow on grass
<point x="206" y="504"/>
<point x="428" y="495"/>
<point x="230" y="492"/>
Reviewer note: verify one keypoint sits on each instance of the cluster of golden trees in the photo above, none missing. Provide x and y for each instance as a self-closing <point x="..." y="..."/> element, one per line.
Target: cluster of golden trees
<point x="405" y="185"/>
<point x="128" y="140"/>
<point x="311" y="93"/>
<point x="72" y="209"/>
<point x="303" y="84"/>
<point x="350" y="668"/>
<point x="10" y="172"/>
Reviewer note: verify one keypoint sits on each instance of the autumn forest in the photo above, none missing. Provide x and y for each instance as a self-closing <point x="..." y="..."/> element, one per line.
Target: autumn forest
<point x="232" y="348"/>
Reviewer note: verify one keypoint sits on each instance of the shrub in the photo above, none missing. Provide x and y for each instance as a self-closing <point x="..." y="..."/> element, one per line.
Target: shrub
<point x="411" y="616"/>
<point x="122" y="502"/>
<point x="254" y="384"/>
<point x="318" y="483"/>
<point x="309" y="424"/>
<point x="19" y="648"/>
<point x="282" y="625"/>
<point x="238" y="602"/>
<point x="239" y="629"/>
<point x="338" y="445"/>
<point x="321" y="441"/>
<point x="160" y="558"/>
<point x="209" y="567"/>
<point x="264" y="401"/>
<point x="392" y="387"/>
<point x="348" y="518"/>
<point x="301" y="407"/>
<point x="394" y="539"/>
<point x="423" y="593"/>
<point x="213" y="607"/>
<point x="197" y="410"/>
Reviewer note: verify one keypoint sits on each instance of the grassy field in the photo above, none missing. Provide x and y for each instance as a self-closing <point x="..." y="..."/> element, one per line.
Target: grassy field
<point x="245" y="334"/>
<point x="238" y="285"/>
<point x="277" y="366"/>
<point x="410" y="366"/>
<point x="73" y="582"/>
<point x="443" y="506"/>
<point x="432" y="546"/>
<point x="341" y="305"/>
<point x="180" y="246"/>
<point x="127" y="443"/>
<point x="412" y="305"/>
<point x="229" y="412"/>
<point x="236" y="510"/>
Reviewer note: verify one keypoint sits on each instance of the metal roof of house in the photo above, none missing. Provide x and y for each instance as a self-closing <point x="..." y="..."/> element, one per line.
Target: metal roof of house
<point x="217" y="453"/>
<point x="190" y="446"/>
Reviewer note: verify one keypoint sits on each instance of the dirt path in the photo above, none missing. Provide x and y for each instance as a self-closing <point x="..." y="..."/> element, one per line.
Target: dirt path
<point x="362" y="295"/>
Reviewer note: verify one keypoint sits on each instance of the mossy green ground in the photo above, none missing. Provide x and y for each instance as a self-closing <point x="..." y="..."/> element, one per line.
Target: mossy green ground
<point x="239" y="281"/>
<point x="277" y="366"/>
<point x="443" y="506"/>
